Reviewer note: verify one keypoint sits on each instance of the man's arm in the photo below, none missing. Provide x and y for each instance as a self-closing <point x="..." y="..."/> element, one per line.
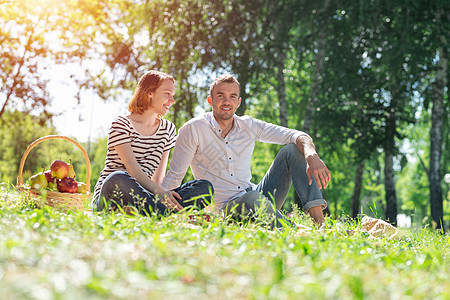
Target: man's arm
<point x="270" y="133"/>
<point x="183" y="153"/>
<point x="315" y="166"/>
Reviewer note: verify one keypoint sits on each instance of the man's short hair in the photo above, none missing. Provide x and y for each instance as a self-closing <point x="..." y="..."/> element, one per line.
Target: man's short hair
<point x="226" y="78"/>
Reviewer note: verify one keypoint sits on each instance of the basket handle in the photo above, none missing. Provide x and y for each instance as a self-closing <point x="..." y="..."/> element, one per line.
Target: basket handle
<point x="49" y="137"/>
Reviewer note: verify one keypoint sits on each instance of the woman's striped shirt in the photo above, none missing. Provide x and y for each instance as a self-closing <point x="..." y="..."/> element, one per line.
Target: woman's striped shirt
<point x="148" y="149"/>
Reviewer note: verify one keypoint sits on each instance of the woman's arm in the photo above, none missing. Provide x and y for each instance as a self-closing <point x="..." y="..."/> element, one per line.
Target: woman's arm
<point x="158" y="176"/>
<point x="129" y="160"/>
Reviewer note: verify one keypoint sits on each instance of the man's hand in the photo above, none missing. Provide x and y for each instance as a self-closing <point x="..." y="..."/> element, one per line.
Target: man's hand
<point x="168" y="199"/>
<point x="317" y="168"/>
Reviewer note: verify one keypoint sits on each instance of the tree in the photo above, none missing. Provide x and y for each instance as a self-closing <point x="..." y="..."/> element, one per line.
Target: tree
<point x="321" y="21"/>
<point x="18" y="131"/>
<point x="173" y="36"/>
<point x="413" y="182"/>
<point x="356" y="203"/>
<point x="344" y="112"/>
<point x="378" y="86"/>
<point x="437" y="120"/>
<point x="36" y="35"/>
<point x="238" y="39"/>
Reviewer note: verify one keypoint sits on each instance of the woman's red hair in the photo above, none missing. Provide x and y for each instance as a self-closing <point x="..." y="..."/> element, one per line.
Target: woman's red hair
<point x="148" y="83"/>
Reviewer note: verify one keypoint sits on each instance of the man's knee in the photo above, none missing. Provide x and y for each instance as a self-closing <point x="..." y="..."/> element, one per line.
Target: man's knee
<point x="291" y="149"/>
<point x="205" y="190"/>
<point x="293" y="154"/>
<point x="205" y="187"/>
<point x="244" y="204"/>
<point x="254" y="200"/>
<point x="251" y="197"/>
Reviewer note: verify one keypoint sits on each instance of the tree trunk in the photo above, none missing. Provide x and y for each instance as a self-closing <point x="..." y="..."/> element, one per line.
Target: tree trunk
<point x="17" y="75"/>
<point x="13" y="86"/>
<point x="243" y="78"/>
<point x="318" y="72"/>
<point x="389" y="180"/>
<point x="315" y="87"/>
<point x="317" y="81"/>
<point x="175" y="109"/>
<point x="356" y="203"/>
<point x="436" y="137"/>
<point x="281" y="91"/>
<point x="281" y="88"/>
<point x="241" y="109"/>
<point x="389" y="183"/>
<point x="7" y="100"/>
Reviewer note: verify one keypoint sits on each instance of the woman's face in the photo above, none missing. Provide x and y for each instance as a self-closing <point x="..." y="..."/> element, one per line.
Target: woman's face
<point x="162" y="98"/>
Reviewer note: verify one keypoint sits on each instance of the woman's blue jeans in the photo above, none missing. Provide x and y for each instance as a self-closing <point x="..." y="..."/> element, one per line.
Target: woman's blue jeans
<point x="121" y="189"/>
<point x="269" y="195"/>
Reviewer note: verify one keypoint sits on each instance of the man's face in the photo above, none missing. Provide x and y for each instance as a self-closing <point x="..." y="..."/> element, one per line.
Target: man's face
<point x="225" y="100"/>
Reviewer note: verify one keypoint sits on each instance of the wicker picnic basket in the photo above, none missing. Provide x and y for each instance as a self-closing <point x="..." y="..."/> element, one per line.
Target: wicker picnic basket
<point x="52" y="198"/>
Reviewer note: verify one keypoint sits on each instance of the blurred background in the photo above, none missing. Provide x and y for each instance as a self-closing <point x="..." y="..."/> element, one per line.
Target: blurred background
<point x="368" y="80"/>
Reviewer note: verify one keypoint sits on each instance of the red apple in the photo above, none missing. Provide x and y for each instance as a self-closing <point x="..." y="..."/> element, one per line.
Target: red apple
<point x="48" y="176"/>
<point x="59" y="169"/>
<point x="67" y="185"/>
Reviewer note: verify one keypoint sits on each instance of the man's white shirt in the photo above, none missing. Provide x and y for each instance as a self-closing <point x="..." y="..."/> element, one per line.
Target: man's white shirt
<point x="225" y="162"/>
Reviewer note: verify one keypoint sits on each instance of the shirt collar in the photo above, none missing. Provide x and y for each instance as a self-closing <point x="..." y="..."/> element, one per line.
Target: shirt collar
<point x="216" y="127"/>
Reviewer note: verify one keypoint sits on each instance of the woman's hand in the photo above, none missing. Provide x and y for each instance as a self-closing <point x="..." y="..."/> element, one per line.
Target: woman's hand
<point x="168" y="198"/>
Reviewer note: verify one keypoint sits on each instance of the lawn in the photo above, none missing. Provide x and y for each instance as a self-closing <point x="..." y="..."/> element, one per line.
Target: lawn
<point x="46" y="253"/>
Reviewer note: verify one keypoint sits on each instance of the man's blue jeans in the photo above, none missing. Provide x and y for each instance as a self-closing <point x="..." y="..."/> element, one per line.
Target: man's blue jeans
<point x="288" y="167"/>
<point x="121" y="189"/>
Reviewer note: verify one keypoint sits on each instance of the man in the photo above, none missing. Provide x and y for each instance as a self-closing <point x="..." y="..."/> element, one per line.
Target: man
<point x="218" y="146"/>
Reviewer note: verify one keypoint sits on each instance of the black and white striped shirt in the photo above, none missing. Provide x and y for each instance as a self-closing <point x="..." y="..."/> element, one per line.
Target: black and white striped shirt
<point x="148" y="149"/>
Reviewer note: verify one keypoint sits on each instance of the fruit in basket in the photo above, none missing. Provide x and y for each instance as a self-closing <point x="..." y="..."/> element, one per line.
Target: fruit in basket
<point x="71" y="172"/>
<point x="52" y="186"/>
<point x="67" y="185"/>
<point x="48" y="175"/>
<point x="38" y="181"/>
<point x="59" y="169"/>
<point x="81" y="187"/>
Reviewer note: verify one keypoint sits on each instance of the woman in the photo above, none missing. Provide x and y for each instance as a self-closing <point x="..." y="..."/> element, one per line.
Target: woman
<point x="138" y="151"/>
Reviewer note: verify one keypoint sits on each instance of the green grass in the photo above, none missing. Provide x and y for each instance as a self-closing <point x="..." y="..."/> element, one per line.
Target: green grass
<point x="49" y="254"/>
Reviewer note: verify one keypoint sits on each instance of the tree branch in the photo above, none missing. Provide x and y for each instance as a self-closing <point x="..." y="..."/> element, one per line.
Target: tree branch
<point x="427" y="171"/>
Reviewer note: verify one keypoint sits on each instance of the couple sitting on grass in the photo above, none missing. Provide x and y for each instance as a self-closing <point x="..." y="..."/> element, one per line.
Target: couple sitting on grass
<point x="217" y="146"/>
